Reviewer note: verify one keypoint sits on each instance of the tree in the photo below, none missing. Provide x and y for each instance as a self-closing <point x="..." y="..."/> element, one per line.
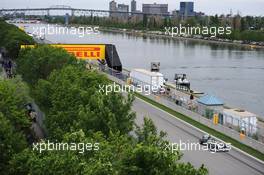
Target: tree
<point x="11" y="142"/>
<point x="14" y="123"/>
<point x="191" y="21"/>
<point x="38" y="63"/>
<point x="14" y="94"/>
<point x="214" y="21"/>
<point x="145" y="20"/>
<point x="54" y="161"/>
<point x="74" y="102"/>
<point x="243" y="25"/>
<point x="12" y="38"/>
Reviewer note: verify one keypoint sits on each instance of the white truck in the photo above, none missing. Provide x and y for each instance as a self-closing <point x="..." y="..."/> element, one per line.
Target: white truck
<point x="144" y="77"/>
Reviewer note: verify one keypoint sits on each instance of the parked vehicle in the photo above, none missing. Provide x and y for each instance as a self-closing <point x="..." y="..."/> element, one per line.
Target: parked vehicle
<point x="145" y="77"/>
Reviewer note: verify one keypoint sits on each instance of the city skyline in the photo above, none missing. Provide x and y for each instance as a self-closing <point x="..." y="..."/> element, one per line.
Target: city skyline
<point x="245" y="7"/>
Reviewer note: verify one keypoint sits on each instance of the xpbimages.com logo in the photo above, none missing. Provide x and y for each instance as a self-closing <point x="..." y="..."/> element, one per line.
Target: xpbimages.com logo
<point x="61" y="30"/>
<point x="144" y="88"/>
<point x="192" y="30"/>
<point x="212" y="147"/>
<point x="55" y="146"/>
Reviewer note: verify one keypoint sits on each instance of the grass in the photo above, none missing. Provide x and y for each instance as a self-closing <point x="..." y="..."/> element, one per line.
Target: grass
<point x="205" y="128"/>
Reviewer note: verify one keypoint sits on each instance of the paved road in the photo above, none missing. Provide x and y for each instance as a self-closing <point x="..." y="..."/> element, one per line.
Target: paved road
<point x="232" y="163"/>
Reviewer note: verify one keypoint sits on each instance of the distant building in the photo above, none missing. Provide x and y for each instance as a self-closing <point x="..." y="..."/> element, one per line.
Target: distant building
<point x="155" y="8"/>
<point x="187" y="9"/>
<point x="236" y="22"/>
<point x="199" y="14"/>
<point x="123" y="8"/>
<point x="208" y="105"/>
<point x="67" y="19"/>
<point x="112" y="7"/>
<point x="176" y="13"/>
<point x="133" y="6"/>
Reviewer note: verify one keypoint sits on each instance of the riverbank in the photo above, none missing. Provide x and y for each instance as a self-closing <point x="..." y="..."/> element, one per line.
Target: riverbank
<point x="160" y="34"/>
<point x="143" y="33"/>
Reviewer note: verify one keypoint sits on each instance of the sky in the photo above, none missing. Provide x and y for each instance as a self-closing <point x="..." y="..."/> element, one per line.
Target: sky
<point x="210" y="7"/>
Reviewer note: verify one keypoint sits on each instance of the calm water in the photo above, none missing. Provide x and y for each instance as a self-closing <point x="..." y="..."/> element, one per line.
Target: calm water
<point x="234" y="74"/>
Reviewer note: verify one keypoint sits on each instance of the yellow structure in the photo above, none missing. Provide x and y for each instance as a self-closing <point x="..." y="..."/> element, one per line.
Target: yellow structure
<point x="242" y="135"/>
<point x="129" y="81"/>
<point x="216" y="119"/>
<point x="22" y="28"/>
<point x="80" y="51"/>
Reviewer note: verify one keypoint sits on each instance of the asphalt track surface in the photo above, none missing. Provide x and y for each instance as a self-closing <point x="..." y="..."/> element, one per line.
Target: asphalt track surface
<point x="221" y="163"/>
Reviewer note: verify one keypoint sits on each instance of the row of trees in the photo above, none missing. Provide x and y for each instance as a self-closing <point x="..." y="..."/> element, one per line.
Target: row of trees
<point x="14" y="94"/>
<point x="76" y="112"/>
<point x="14" y="123"/>
<point x="243" y="28"/>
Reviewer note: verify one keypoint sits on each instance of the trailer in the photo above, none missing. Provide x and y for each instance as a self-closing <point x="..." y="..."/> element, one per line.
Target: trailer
<point x="144" y="77"/>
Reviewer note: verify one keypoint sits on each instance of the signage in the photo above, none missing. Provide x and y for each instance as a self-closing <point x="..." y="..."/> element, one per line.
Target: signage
<point x="80" y="51"/>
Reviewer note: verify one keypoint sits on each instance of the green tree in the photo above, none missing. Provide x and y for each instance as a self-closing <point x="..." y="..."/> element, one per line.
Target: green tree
<point x="38" y="63"/>
<point x="12" y="38"/>
<point x="243" y="25"/>
<point x="145" y="20"/>
<point x="214" y="21"/>
<point x="14" y="94"/>
<point x="191" y="21"/>
<point x="11" y="142"/>
<point x="74" y="101"/>
<point x="54" y="162"/>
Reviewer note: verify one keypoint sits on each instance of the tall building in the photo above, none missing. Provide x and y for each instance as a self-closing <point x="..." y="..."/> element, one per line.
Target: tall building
<point x="155" y="8"/>
<point x="187" y="9"/>
<point x="133" y="6"/>
<point x="67" y="19"/>
<point x="123" y="8"/>
<point x="112" y="7"/>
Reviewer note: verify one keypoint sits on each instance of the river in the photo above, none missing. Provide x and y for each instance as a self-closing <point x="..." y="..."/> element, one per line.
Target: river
<point x="232" y="73"/>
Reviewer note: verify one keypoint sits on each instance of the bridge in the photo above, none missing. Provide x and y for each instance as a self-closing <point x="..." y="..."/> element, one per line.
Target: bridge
<point x="73" y="11"/>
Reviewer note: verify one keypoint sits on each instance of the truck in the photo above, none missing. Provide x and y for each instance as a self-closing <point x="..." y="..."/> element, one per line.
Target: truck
<point x="144" y="77"/>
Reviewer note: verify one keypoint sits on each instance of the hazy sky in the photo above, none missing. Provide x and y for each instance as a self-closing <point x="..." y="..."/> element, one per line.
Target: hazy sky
<point x="245" y="7"/>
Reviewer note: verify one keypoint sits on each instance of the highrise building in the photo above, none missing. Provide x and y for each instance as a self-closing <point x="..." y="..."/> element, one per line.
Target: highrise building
<point x="124" y="9"/>
<point x="187" y="9"/>
<point x="155" y="8"/>
<point x="67" y="18"/>
<point x="133" y="6"/>
<point x="112" y="7"/>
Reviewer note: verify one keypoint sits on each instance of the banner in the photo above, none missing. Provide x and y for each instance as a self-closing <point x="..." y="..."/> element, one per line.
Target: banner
<point x="80" y="51"/>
